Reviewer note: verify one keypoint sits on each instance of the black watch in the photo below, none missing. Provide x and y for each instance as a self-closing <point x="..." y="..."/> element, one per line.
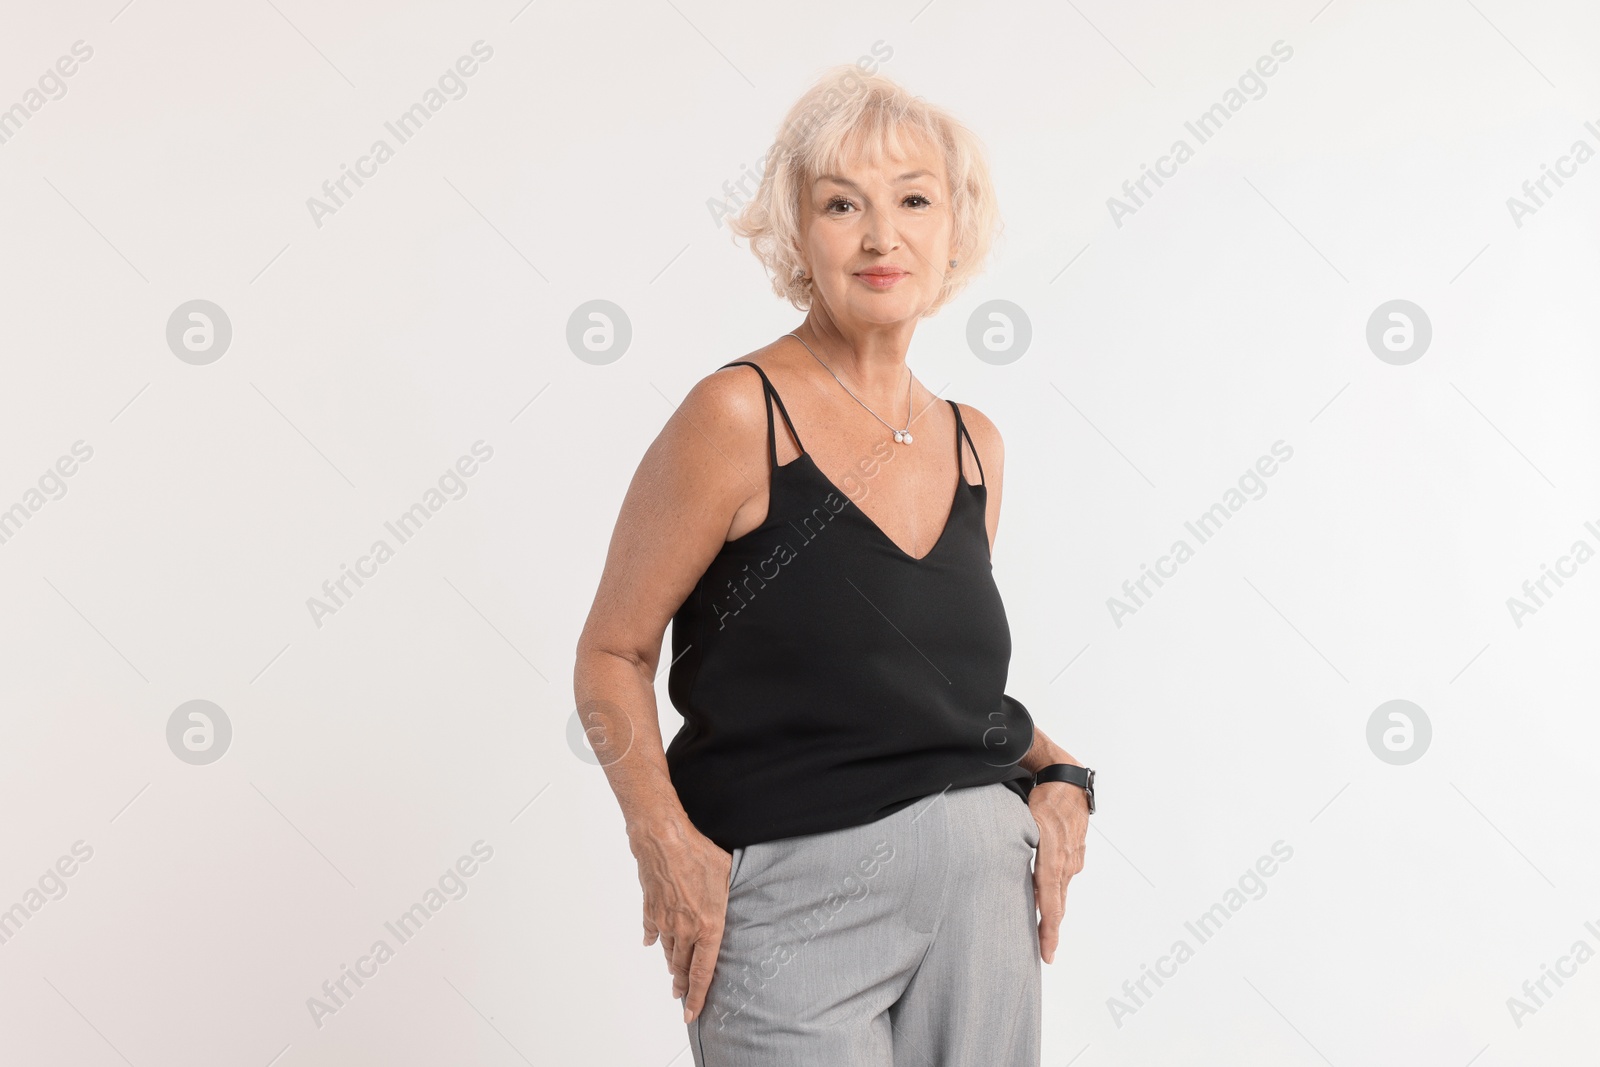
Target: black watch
<point x="1072" y="774"/>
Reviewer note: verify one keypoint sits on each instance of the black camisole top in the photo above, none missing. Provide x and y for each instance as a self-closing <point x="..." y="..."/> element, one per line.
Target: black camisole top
<point x="828" y="679"/>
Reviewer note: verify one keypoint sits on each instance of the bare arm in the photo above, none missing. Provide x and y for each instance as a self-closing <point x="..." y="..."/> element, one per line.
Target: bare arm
<point x="677" y="512"/>
<point x="1060" y="810"/>
<point x="707" y="464"/>
<point x="992" y="449"/>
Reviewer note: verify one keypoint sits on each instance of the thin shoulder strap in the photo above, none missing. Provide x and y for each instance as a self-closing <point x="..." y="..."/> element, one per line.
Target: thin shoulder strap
<point x="771" y="395"/>
<point x="961" y="431"/>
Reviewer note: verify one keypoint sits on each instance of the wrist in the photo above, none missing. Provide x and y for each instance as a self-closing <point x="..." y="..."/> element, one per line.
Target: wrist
<point x="1068" y="774"/>
<point x="1044" y="753"/>
<point x="664" y="828"/>
<point x="659" y="825"/>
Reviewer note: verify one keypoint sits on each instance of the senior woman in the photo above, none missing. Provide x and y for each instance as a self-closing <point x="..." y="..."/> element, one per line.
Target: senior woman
<point x="845" y="848"/>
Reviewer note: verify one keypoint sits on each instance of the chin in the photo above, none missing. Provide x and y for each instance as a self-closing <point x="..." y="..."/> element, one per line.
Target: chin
<point x="895" y="307"/>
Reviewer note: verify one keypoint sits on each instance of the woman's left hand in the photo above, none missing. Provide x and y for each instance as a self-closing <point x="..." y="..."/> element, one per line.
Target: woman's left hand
<point x="1062" y="811"/>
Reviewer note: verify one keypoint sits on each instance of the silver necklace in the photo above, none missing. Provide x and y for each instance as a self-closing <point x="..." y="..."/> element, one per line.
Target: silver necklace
<point x="901" y="436"/>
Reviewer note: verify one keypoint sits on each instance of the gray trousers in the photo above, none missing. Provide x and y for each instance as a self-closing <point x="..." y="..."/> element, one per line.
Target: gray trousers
<point x="906" y="942"/>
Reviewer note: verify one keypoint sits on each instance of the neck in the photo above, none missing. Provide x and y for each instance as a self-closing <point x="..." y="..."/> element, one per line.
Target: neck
<point x="871" y="359"/>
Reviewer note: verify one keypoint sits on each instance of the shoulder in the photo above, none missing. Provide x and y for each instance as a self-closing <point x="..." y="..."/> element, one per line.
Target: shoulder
<point x="732" y="398"/>
<point x="986" y="438"/>
<point x="736" y="383"/>
<point x="725" y="411"/>
<point x="729" y="392"/>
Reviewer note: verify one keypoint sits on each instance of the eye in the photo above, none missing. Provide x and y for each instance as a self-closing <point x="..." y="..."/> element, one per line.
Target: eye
<point x="916" y="200"/>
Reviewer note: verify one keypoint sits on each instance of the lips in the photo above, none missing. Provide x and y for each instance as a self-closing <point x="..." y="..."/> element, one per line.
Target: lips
<point x="881" y="277"/>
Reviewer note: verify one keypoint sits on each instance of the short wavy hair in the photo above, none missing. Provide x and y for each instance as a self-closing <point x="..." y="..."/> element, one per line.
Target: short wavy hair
<point x="849" y="109"/>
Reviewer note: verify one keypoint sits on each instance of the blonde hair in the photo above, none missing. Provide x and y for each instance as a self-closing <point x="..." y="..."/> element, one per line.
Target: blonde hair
<point x="850" y="109"/>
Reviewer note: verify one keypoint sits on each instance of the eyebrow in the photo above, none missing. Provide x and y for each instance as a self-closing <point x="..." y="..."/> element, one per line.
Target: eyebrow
<point x="846" y="181"/>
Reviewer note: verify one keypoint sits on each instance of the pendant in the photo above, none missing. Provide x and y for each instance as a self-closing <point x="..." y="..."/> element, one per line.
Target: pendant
<point x="902" y="437"/>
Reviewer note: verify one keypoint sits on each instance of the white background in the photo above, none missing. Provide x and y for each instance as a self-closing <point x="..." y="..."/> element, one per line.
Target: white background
<point x="430" y="311"/>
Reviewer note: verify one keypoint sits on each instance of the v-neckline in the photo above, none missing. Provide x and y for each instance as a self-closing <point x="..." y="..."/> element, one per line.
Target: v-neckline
<point x="949" y="519"/>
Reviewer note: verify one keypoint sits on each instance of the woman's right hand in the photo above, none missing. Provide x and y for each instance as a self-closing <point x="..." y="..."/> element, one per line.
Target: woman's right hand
<point x="684" y="875"/>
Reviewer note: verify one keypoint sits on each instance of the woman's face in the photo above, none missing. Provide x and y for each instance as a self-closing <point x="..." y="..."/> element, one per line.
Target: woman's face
<point x="876" y="239"/>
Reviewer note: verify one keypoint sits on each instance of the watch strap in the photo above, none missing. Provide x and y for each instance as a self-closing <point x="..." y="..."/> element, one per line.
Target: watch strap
<point x="1072" y="774"/>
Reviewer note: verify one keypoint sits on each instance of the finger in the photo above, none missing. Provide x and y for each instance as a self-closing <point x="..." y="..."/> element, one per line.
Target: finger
<point x="1048" y="936"/>
<point x="666" y="951"/>
<point x="701" y="968"/>
<point x="682" y="955"/>
<point x="1050" y="891"/>
<point x="667" y="941"/>
<point x="650" y="931"/>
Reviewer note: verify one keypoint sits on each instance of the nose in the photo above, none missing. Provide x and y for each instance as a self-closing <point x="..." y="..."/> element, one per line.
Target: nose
<point x="879" y="234"/>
